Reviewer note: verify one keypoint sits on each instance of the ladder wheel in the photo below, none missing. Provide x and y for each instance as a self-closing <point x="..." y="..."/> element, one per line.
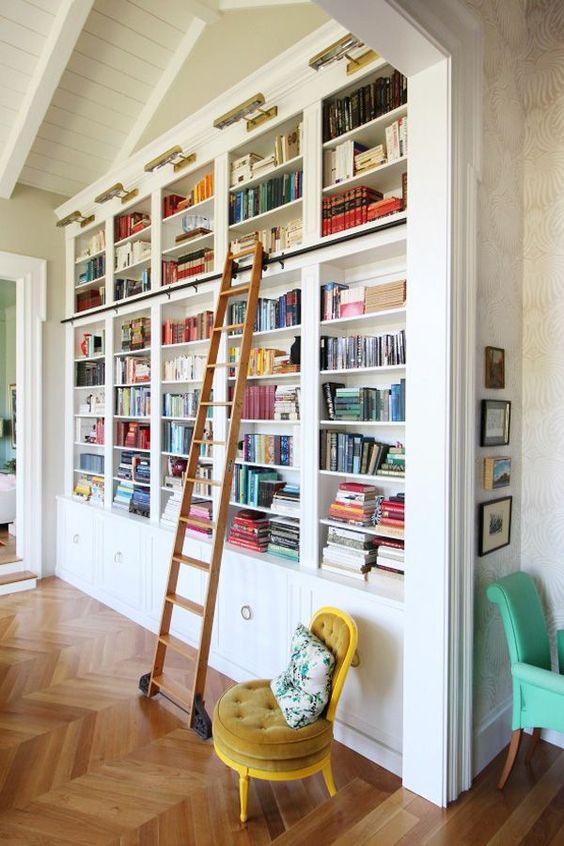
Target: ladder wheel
<point x="201" y="722"/>
<point x="144" y="683"/>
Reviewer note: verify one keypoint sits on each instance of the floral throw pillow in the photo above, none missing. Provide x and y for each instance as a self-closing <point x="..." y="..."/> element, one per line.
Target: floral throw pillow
<point x="303" y="689"/>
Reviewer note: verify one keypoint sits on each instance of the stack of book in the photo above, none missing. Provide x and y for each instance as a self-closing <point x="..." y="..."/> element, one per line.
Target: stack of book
<point x="381" y="208"/>
<point x="284" y="538"/>
<point x="258" y="403"/>
<point x="394" y="465"/>
<point x="377" y="404"/>
<point x="199" y="261"/>
<point x="140" y="502"/>
<point x="286" y="500"/>
<point x="254" y="486"/>
<point x="184" y="368"/>
<point x="355" y="503"/>
<point x="346" y="452"/>
<point x="277" y="239"/>
<point x="94" y="269"/>
<point x="275" y="192"/>
<point x="270" y="313"/>
<point x="354" y="351"/>
<point x="124" y="288"/>
<point x="200" y="509"/>
<point x="268" y="449"/>
<point x="134" y="368"/>
<point x="172" y="508"/>
<point x="287" y="402"/>
<point x="142" y="469"/>
<point x="125" y="466"/>
<point x="135" y="334"/>
<point x="91" y="463"/>
<point x="261" y="360"/>
<point x="339" y="163"/>
<point x="396" y="139"/>
<point x="123" y="495"/>
<point x="391" y="532"/>
<point x="177" y="437"/>
<point x="197" y="327"/>
<point x="364" y="104"/>
<point x="250" y="530"/>
<point x="92" y="298"/>
<point x="132" y="434"/>
<point x="242" y="168"/>
<point x="253" y="166"/>
<point x="369" y="159"/>
<point x="131" y="253"/>
<point x="90" y="373"/>
<point x="129" y="224"/>
<point x="133" y="402"/>
<point x="181" y="405"/>
<point x="346" y="210"/>
<point x="348" y="553"/>
<point x="386" y="296"/>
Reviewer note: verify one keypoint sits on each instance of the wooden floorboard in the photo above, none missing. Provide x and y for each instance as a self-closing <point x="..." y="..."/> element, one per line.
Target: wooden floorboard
<point x="86" y="760"/>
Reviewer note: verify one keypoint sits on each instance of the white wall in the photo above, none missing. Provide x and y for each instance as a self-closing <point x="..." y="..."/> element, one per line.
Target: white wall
<point x="543" y="308"/>
<point x="27" y="227"/>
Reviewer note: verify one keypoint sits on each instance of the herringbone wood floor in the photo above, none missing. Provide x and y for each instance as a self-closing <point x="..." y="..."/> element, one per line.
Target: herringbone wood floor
<point x="86" y="760"/>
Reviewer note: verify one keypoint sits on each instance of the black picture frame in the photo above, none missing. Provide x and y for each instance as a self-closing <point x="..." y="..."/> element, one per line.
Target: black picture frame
<point x="494" y="523"/>
<point x="495" y="422"/>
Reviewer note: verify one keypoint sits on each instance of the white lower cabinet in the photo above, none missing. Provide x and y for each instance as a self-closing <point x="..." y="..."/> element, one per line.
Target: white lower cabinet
<point x="124" y="563"/>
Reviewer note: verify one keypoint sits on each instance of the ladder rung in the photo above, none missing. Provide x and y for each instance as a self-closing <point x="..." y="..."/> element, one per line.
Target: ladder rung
<point x="177" y="645"/>
<point x="216" y="403"/>
<point x="232" y="292"/>
<point x="201" y="479"/>
<point x="191" y="562"/>
<point x="229" y="327"/>
<point x="179" y="694"/>
<point x="187" y="604"/>
<point x="193" y="521"/>
<point x="220" y="364"/>
<point x="209" y="443"/>
<point x="248" y="251"/>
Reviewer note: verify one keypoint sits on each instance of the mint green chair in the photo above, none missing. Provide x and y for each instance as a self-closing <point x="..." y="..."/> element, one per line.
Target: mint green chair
<point x="538" y="692"/>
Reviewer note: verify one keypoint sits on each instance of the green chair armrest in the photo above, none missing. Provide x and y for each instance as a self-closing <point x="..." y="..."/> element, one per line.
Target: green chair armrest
<point x="560" y="648"/>
<point x="537" y="677"/>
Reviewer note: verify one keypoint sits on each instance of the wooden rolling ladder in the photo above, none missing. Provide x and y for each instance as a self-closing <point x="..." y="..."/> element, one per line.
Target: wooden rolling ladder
<point x="157" y="681"/>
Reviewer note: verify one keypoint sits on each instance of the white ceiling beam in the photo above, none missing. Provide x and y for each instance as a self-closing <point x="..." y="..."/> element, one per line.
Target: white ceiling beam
<point x="170" y="73"/>
<point x="205" y="13"/>
<point x="59" y="44"/>
<point x="229" y="5"/>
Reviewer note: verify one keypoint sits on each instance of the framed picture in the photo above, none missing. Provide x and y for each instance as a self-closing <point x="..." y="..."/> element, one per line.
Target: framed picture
<point x="495" y="524"/>
<point x="495" y="367"/>
<point x="497" y="472"/>
<point x="494" y="429"/>
<point x="12" y="412"/>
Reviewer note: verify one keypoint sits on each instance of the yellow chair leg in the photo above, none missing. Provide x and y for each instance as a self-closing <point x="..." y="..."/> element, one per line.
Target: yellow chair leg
<point x="243" y="795"/>
<point x="328" y="778"/>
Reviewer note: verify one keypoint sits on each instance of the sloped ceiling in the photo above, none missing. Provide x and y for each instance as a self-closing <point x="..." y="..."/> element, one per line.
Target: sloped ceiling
<point x="83" y="83"/>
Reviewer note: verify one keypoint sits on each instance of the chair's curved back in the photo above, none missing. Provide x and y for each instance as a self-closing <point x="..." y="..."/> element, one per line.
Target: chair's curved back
<point x="523" y="619"/>
<point x="339" y="633"/>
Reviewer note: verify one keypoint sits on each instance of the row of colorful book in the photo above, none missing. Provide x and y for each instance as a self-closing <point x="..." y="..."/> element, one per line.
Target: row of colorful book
<point x="133" y="434"/>
<point x="126" y="225"/>
<point x="95" y="268"/>
<point x="197" y="327"/>
<point x="275" y="192"/>
<point x="277" y="239"/>
<point x="354" y="351"/>
<point x="269" y="449"/>
<point x="364" y="104"/>
<point x="270" y="402"/>
<point x="181" y="405"/>
<point x="184" y="368"/>
<point x="358" y="206"/>
<point x="90" y="373"/>
<point x="133" y="402"/>
<point x="339" y="300"/>
<point x="125" y="288"/>
<point x="349" y="452"/>
<point x="362" y="403"/>
<point x="192" y="264"/>
<point x="91" y="463"/>
<point x="271" y="313"/>
<point x="132" y="368"/>
<point x="254" y="531"/>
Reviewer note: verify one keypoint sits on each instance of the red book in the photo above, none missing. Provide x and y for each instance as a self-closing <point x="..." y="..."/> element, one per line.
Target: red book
<point x="358" y="487"/>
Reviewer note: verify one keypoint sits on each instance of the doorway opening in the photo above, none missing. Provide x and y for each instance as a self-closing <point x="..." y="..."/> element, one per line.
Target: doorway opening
<point x="8" y="432"/>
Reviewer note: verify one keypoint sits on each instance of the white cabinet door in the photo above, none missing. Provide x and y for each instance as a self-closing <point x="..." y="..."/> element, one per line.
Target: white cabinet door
<point x="372" y="699"/>
<point x="252" y="616"/>
<point x="122" y="564"/>
<point x="77" y="553"/>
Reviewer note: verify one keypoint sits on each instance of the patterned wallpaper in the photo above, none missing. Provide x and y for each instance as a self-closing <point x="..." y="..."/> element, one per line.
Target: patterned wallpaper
<point x="499" y="313"/>
<point x="543" y="289"/>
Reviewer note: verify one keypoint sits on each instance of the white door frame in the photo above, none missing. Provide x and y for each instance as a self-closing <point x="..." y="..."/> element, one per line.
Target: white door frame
<point x="440" y="40"/>
<point x="30" y="276"/>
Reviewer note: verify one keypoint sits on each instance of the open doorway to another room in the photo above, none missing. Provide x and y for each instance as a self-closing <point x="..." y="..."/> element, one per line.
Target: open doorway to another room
<point x="8" y="432"/>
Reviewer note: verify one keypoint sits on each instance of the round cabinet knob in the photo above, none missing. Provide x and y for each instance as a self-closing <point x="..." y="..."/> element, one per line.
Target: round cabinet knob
<point x="75" y="538"/>
<point x="246" y="612"/>
<point x="118" y="558"/>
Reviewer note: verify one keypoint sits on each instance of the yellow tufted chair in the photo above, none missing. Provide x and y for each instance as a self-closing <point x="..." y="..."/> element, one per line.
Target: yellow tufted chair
<point x="250" y="733"/>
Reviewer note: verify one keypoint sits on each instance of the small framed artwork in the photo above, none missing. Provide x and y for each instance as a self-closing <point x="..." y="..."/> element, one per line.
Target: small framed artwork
<point x="497" y="473"/>
<point x="495" y="367"/>
<point x="12" y="412"/>
<point x="495" y="524"/>
<point x="495" y="421"/>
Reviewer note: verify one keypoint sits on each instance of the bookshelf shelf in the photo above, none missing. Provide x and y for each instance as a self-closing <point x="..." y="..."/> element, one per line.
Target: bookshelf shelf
<point x="84" y="259"/>
<point x="91" y="357"/>
<point x="371" y="317"/>
<point x="86" y="472"/>
<point x="385" y="177"/>
<point x="269" y="466"/>
<point x="146" y="383"/>
<point x="130" y="417"/>
<point x="133" y="482"/>
<point x="85" y="286"/>
<point x="285" y="167"/>
<point x="263" y="508"/>
<point x="282" y="331"/>
<point x="90" y="446"/>
<point x="185" y="247"/>
<point x="136" y="236"/>
<point x="90" y="415"/>
<point x="374" y="225"/>
<point x="181" y="381"/>
<point x="376" y="423"/>
<point x="140" y="351"/>
<point x="136" y="267"/>
<point x="271" y="377"/>
<point x="363" y="477"/>
<point x="369" y="530"/>
<point x="272" y="422"/>
<point x="184" y="344"/>
<point x="200" y="207"/>
<point x="369" y="132"/>
<point x="266" y="217"/>
<point x="189" y="419"/>
<point x="351" y="371"/>
<point x="131" y="448"/>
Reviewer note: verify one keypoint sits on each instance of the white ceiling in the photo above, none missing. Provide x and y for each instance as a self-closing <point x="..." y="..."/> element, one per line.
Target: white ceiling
<point x="80" y="80"/>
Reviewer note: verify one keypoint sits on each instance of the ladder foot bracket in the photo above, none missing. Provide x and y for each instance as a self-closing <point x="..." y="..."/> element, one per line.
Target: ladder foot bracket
<point x="144" y="683"/>
<point x="200" y="721"/>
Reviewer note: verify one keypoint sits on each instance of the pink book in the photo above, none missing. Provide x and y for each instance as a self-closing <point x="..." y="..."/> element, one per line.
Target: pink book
<point x="351" y="309"/>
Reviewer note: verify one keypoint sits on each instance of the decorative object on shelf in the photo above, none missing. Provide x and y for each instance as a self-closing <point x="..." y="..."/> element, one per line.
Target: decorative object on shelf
<point x="12" y="412"/>
<point x="497" y="472"/>
<point x="76" y="217"/>
<point x="495" y="367"/>
<point x="495" y="422"/>
<point x="173" y="156"/>
<point x="116" y="190"/>
<point x="494" y="525"/>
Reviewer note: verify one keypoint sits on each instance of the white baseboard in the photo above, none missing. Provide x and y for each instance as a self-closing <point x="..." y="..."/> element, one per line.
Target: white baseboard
<point x="554" y="737"/>
<point x="370" y="748"/>
<point x="491" y="736"/>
